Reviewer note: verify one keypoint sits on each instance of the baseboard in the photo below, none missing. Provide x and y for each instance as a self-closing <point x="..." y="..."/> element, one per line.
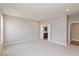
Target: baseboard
<point x="58" y="43"/>
<point x="19" y="41"/>
<point x="75" y="39"/>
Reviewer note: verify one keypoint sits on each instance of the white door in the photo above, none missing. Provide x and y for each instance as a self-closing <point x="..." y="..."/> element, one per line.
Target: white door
<point x="49" y="32"/>
<point x="41" y="31"/>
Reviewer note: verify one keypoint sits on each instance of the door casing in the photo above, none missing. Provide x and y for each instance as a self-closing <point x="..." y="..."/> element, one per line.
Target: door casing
<point x="49" y="31"/>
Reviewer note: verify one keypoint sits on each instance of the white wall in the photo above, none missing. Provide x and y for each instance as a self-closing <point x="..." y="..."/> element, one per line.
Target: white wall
<point x="16" y="29"/>
<point x="59" y="29"/>
<point x="73" y="19"/>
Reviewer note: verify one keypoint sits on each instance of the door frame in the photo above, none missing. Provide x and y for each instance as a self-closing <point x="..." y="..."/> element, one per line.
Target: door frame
<point x="70" y="26"/>
<point x="1" y="21"/>
<point x="49" y="31"/>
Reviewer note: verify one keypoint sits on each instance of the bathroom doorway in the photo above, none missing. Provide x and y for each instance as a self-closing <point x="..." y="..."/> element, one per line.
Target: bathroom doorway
<point x="45" y="32"/>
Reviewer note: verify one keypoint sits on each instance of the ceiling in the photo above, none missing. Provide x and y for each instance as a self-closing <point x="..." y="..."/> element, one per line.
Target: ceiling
<point x="39" y="11"/>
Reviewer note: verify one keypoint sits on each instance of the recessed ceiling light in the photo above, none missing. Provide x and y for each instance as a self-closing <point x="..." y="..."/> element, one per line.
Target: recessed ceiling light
<point x="67" y="9"/>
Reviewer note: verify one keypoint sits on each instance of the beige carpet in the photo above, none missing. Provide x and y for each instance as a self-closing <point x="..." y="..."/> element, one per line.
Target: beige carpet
<point x="41" y="48"/>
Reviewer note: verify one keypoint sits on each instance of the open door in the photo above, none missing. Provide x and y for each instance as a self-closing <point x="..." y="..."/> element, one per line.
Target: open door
<point x="45" y="32"/>
<point x="41" y="31"/>
<point x="49" y="32"/>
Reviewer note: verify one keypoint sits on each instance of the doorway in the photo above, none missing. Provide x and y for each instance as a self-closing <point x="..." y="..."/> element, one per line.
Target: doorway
<point x="45" y="32"/>
<point x="74" y="37"/>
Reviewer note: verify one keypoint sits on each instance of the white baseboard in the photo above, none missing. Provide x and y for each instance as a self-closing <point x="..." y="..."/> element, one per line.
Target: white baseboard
<point x="75" y="39"/>
<point x="58" y="43"/>
<point x="19" y="41"/>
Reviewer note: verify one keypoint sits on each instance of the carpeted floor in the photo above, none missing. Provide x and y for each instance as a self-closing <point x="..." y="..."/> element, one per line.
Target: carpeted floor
<point x="41" y="48"/>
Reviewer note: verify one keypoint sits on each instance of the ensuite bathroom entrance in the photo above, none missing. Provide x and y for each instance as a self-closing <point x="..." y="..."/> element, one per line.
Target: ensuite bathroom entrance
<point x="45" y="32"/>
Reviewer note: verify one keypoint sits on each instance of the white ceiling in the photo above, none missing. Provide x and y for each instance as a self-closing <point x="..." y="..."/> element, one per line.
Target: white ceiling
<point x="39" y="11"/>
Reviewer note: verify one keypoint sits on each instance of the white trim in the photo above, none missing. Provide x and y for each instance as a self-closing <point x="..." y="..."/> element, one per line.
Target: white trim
<point x="58" y="43"/>
<point x="1" y="28"/>
<point x="41" y="31"/>
<point x="75" y="39"/>
<point x="74" y="22"/>
<point x="19" y="42"/>
<point x="49" y="32"/>
<point x="70" y="23"/>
